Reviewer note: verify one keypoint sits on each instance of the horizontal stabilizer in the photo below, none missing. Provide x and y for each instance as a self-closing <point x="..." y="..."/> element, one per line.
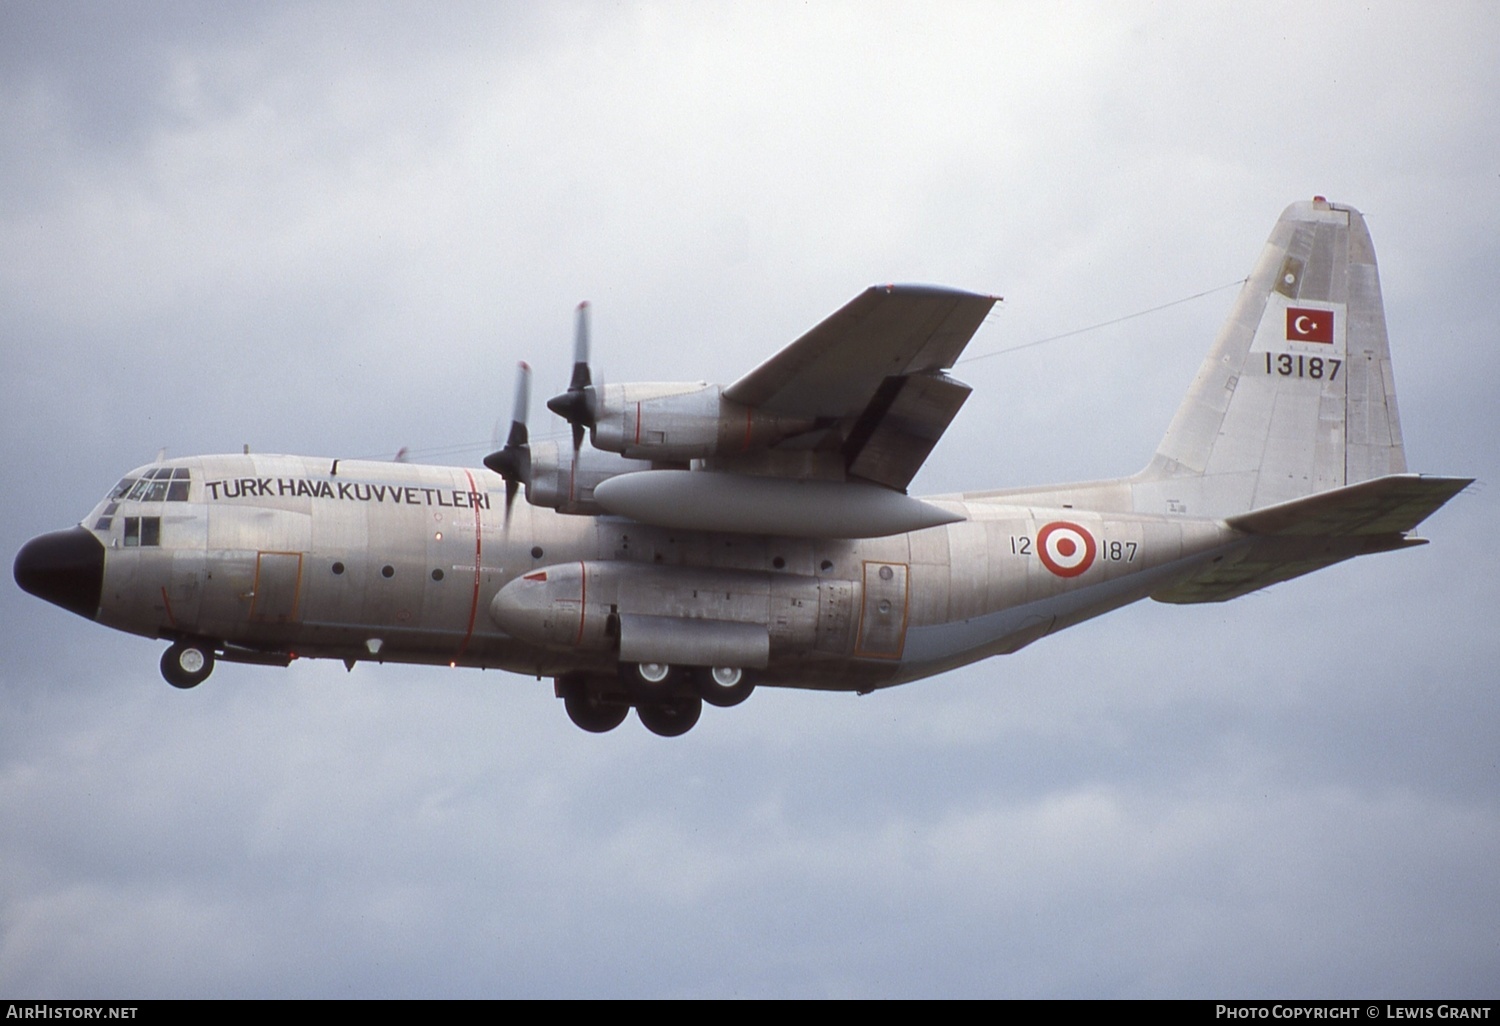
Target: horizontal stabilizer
<point x="1262" y="567"/>
<point x="1297" y="537"/>
<point x="1385" y="505"/>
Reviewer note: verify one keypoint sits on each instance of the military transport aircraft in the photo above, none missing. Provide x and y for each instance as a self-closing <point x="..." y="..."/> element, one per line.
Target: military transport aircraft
<point x="716" y="539"/>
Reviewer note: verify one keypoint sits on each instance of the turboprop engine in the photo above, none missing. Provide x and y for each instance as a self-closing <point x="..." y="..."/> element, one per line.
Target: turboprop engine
<point x="564" y="480"/>
<point x="677" y="422"/>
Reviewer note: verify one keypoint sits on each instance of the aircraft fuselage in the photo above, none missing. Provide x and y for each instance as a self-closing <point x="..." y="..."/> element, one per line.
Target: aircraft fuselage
<point x="396" y="562"/>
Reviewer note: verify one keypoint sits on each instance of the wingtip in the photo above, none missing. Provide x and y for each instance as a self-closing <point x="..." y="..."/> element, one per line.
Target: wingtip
<point x="922" y="289"/>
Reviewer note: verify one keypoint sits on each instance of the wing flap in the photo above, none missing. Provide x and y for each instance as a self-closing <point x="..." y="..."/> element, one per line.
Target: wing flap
<point x="893" y="437"/>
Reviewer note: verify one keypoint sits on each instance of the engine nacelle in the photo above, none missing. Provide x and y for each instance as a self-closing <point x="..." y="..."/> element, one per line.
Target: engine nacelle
<point x="560" y="482"/>
<point x="677" y="422"/>
<point x="677" y="615"/>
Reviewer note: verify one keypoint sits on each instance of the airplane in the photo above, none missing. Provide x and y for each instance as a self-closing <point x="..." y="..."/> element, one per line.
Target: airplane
<point x="712" y="540"/>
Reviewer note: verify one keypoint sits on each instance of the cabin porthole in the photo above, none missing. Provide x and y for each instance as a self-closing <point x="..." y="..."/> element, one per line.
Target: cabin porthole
<point x="437" y="575"/>
<point x="388" y="571"/>
<point x="337" y="568"/>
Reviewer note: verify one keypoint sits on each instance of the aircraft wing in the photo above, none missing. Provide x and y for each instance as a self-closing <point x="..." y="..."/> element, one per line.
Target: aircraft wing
<point x="874" y="370"/>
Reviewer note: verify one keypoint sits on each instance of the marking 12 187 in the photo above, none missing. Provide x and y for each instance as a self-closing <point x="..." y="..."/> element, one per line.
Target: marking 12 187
<point x="1109" y="551"/>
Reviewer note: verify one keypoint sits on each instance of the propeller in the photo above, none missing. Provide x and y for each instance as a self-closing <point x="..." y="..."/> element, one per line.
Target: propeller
<point x="579" y="405"/>
<point x="513" y="462"/>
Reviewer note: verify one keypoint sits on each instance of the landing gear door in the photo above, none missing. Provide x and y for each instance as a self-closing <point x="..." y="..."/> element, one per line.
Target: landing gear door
<point x="278" y="576"/>
<point x="882" y="618"/>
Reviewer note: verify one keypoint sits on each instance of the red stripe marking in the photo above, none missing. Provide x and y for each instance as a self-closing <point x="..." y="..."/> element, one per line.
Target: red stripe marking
<point x="168" y="603"/>
<point x="478" y="551"/>
<point x="583" y="600"/>
<point x="749" y="414"/>
<point x="637" y="423"/>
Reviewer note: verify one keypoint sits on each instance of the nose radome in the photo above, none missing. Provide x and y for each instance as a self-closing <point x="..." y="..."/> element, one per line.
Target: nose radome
<point x="66" y="568"/>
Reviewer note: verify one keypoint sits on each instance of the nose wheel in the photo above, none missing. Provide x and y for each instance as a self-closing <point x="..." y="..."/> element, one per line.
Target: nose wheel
<point x="187" y="664"/>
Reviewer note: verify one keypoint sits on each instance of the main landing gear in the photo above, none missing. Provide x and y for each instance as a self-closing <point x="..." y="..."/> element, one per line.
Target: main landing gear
<point x="589" y="709"/>
<point x="187" y="664"/>
<point x="668" y="700"/>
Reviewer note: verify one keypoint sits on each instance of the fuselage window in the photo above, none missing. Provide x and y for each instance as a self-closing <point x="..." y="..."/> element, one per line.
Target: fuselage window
<point x="121" y="488"/>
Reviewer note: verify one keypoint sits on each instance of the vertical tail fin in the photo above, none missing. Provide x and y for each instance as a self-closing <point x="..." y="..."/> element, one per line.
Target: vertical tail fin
<point x="1297" y="396"/>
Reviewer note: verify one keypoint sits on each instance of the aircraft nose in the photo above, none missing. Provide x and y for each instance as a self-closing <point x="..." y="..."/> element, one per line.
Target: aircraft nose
<point x="66" y="568"/>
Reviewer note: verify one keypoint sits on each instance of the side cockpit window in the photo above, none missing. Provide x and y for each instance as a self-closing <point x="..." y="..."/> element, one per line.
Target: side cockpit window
<point x="142" y="531"/>
<point x="107" y="517"/>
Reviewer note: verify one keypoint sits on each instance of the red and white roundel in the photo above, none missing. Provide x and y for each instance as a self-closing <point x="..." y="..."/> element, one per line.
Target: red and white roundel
<point x="1065" y="549"/>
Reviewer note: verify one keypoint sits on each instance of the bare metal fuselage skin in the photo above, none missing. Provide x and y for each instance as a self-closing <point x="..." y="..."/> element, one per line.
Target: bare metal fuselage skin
<point x="397" y="562"/>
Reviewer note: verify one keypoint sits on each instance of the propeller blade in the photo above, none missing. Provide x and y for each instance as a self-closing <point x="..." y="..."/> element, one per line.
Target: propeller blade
<point x="578" y="405"/>
<point x="581" y="378"/>
<point x="522" y="404"/>
<point x="513" y="462"/>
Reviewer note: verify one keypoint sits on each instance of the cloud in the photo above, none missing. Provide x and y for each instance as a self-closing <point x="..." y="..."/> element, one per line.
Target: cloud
<point x="333" y="230"/>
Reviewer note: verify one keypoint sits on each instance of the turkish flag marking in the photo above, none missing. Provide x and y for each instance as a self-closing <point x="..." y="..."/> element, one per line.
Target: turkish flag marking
<point x="1304" y="325"/>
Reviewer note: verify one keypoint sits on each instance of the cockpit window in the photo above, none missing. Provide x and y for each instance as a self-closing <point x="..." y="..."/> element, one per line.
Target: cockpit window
<point x="164" y="483"/>
<point x="106" y="517"/>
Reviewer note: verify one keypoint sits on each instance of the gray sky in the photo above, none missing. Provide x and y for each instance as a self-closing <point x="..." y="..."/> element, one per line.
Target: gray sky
<point x="334" y="228"/>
